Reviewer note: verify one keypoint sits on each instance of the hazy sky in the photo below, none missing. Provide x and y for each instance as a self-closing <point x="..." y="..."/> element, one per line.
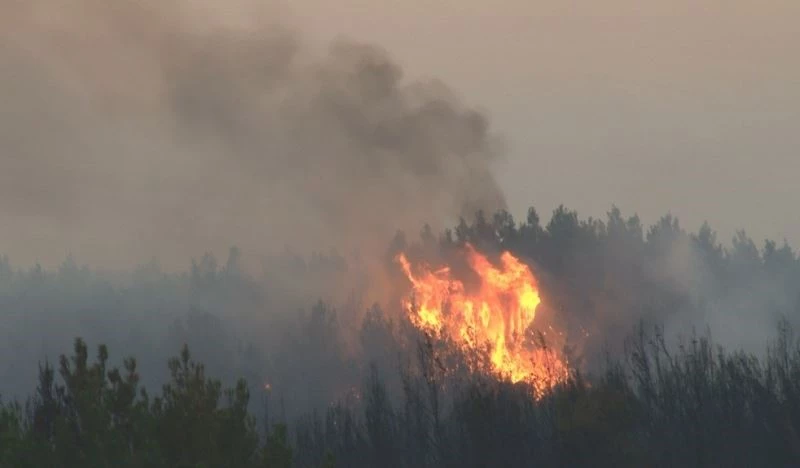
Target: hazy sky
<point x="135" y="128"/>
<point x="682" y="105"/>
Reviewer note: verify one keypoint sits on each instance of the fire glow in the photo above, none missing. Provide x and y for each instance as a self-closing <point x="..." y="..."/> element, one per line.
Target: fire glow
<point x="497" y="315"/>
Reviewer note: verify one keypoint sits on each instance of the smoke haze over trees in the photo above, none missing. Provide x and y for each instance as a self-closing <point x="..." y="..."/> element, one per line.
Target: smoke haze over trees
<point x="597" y="278"/>
<point x="137" y="135"/>
<point x="367" y="395"/>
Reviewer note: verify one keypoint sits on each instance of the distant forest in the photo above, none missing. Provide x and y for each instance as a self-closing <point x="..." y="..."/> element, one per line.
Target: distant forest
<point x="683" y="350"/>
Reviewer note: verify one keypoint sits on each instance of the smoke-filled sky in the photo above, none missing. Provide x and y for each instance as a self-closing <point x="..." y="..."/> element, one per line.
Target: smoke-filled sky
<point x="682" y="105"/>
<point x="138" y="128"/>
<point x="168" y="128"/>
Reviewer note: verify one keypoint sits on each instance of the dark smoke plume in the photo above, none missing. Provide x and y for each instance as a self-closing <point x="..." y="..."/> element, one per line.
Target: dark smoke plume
<point x="167" y="128"/>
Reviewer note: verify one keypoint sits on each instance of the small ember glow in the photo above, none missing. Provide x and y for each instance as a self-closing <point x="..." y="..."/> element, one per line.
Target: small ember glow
<point x="497" y="314"/>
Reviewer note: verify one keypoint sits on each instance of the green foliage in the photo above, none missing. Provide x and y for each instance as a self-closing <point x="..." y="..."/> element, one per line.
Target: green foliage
<point x="696" y="407"/>
<point x="597" y="423"/>
<point x="193" y="429"/>
<point x="98" y="417"/>
<point x="277" y="452"/>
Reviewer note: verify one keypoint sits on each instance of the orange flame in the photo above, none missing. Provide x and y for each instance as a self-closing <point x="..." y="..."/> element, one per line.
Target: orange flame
<point x="497" y="315"/>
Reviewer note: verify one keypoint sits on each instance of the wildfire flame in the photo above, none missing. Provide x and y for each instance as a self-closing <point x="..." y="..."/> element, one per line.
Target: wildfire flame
<point x="498" y="314"/>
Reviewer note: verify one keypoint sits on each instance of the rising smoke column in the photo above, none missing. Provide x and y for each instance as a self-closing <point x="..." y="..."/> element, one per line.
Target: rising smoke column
<point x="138" y="128"/>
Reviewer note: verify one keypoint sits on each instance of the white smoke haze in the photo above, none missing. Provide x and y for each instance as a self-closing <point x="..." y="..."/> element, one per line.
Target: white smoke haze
<point x="140" y="128"/>
<point x="744" y="314"/>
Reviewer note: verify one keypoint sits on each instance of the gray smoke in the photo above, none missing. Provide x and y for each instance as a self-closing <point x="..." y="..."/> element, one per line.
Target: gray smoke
<point x="132" y="129"/>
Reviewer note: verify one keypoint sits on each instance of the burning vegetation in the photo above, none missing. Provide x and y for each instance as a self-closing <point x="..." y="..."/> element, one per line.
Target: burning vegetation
<point x="449" y="384"/>
<point x="496" y="316"/>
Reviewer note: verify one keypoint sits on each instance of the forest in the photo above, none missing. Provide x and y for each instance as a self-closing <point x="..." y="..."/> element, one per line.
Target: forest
<point x="681" y="348"/>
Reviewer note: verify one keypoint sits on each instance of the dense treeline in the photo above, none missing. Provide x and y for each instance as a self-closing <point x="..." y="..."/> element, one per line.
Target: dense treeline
<point x="700" y="406"/>
<point x="99" y="417"/>
<point x="604" y="277"/>
<point x="338" y="385"/>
